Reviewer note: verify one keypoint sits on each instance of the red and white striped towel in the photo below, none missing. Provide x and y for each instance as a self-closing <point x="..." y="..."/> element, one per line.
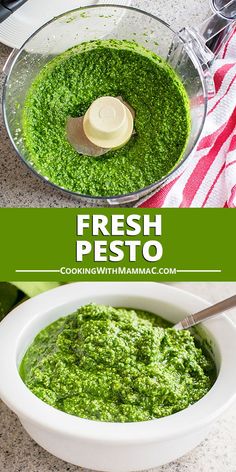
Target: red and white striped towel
<point x="209" y="177"/>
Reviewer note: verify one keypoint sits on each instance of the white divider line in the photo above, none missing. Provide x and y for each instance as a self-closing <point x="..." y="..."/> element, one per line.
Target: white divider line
<point x="199" y="270"/>
<point x="36" y="270"/>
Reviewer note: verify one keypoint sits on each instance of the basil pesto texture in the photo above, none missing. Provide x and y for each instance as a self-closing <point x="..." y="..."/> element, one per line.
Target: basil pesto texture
<point x="116" y="365"/>
<point x="68" y="85"/>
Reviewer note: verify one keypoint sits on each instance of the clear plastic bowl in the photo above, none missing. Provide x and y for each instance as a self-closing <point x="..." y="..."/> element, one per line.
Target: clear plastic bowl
<point x="100" y="22"/>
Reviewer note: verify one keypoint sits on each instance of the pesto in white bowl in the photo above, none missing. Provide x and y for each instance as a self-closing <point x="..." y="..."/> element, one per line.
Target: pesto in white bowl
<point x="117" y="365"/>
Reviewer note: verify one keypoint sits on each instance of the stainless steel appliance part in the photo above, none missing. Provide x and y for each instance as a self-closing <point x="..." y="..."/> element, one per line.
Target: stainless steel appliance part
<point x="7" y="7"/>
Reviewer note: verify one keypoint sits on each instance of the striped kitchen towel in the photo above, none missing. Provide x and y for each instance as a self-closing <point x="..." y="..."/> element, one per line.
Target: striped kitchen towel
<point x="208" y="179"/>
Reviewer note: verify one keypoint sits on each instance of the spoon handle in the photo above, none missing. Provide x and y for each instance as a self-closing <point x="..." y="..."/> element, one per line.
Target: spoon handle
<point x="208" y="312"/>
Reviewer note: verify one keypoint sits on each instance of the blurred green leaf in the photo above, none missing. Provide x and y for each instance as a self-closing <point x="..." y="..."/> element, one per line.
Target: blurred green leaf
<point x="14" y="293"/>
<point x="31" y="289"/>
<point x="8" y="297"/>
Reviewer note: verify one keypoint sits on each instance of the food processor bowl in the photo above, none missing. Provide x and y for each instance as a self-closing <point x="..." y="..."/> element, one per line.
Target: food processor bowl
<point x="184" y="51"/>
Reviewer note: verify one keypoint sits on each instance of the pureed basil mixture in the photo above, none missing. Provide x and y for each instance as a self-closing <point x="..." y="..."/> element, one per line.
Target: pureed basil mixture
<point x="116" y="365"/>
<point x="68" y="85"/>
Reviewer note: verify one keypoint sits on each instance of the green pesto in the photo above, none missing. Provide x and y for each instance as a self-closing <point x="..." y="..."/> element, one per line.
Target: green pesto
<point x="116" y="365"/>
<point x="68" y="85"/>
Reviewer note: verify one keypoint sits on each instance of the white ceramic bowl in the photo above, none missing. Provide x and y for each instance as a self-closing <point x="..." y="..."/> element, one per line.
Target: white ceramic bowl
<point x="114" y="446"/>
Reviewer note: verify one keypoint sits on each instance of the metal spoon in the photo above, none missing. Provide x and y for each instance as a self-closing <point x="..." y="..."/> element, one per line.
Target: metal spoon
<point x="209" y="312"/>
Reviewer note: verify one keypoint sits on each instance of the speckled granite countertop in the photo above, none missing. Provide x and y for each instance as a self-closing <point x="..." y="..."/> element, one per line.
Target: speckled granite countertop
<point x="19" y="453"/>
<point x="19" y="187"/>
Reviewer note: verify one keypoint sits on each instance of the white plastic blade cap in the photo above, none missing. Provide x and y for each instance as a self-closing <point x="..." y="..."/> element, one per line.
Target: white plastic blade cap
<point x="108" y="122"/>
